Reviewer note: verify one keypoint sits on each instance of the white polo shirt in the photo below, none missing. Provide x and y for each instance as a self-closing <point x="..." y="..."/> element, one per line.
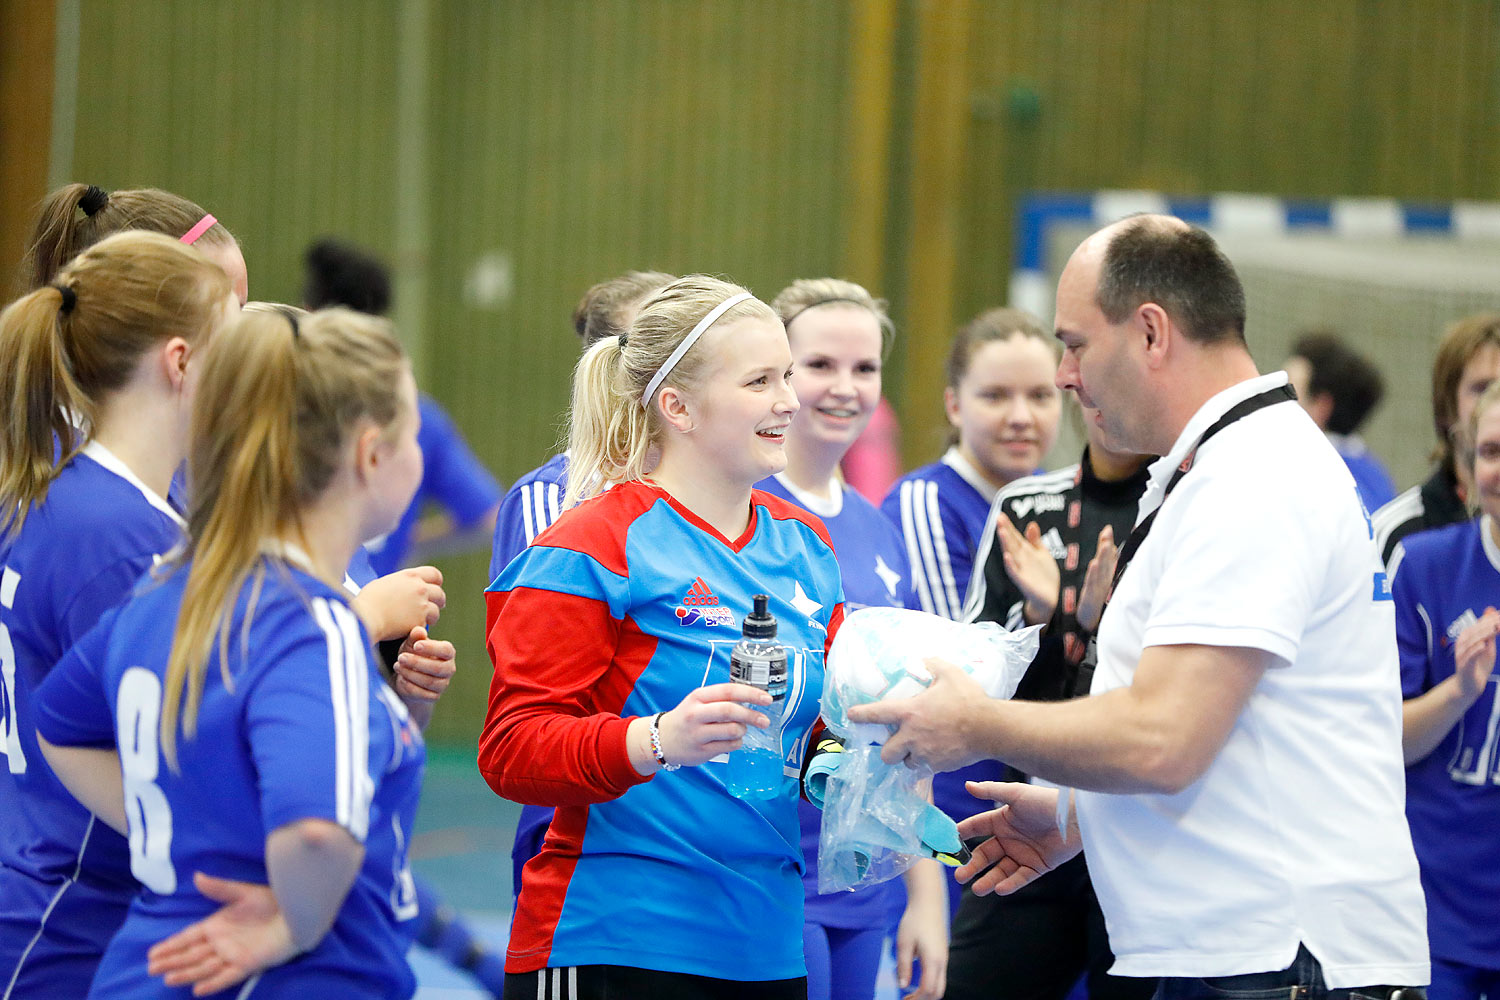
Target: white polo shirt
<point x="1297" y="830"/>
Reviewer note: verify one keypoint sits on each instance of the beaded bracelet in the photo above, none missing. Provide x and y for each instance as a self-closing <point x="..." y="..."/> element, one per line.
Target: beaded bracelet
<point x="661" y="758"/>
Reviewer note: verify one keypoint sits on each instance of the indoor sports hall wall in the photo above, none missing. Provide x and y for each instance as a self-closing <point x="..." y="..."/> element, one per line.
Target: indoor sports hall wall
<point x="505" y="155"/>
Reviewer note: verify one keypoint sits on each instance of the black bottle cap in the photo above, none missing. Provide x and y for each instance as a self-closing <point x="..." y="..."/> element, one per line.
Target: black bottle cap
<point x="760" y="623"/>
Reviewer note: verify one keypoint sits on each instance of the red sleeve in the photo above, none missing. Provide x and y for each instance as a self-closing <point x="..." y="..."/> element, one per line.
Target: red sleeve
<point x="552" y="732"/>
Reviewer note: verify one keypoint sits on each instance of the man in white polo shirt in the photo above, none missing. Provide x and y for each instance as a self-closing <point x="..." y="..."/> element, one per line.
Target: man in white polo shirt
<point x="1237" y="775"/>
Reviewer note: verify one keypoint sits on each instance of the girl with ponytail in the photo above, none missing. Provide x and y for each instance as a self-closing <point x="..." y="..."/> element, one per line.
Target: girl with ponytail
<point x="256" y="737"/>
<point x="96" y="373"/>
<point x="611" y="699"/>
<point x="76" y="216"/>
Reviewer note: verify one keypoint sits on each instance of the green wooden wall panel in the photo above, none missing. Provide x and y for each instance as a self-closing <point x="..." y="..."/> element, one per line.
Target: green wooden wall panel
<point x="276" y="116"/>
<point x="568" y="140"/>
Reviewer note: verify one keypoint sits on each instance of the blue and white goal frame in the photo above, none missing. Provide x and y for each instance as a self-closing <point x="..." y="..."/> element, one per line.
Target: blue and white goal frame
<point x="1032" y="287"/>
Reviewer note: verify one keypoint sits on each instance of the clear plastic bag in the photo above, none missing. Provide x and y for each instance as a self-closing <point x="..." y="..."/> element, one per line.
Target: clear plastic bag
<point x="877" y="817"/>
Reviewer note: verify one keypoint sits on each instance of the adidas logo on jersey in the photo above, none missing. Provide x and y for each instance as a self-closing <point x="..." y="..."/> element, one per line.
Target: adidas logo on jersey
<point x="698" y="595"/>
<point x="1041" y="503"/>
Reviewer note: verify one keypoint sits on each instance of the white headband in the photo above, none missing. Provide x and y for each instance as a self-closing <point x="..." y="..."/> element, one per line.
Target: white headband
<point x="687" y="344"/>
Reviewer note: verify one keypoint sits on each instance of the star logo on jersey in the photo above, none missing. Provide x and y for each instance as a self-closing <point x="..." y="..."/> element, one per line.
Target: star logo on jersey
<point x="806" y="605"/>
<point x="888" y="576"/>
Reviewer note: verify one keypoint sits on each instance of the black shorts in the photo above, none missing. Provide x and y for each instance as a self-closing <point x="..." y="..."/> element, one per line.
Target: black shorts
<point x="621" y="982"/>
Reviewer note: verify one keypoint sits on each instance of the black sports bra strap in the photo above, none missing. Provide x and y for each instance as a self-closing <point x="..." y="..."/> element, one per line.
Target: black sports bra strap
<point x="1241" y="410"/>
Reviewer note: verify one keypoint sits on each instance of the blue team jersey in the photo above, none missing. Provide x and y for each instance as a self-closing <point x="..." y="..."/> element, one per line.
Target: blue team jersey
<point x="307" y="730"/>
<point x="618" y="611"/>
<point x="1370" y="476"/>
<point x="452" y="477"/>
<point x="530" y="506"/>
<point x="940" y="511"/>
<point x="79" y="554"/>
<point x="1449" y="576"/>
<point x="872" y="561"/>
<point x="941" y="514"/>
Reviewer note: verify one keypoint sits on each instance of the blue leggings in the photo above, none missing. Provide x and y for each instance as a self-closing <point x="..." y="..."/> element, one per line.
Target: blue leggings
<point x="843" y="963"/>
<point x="1454" y="981"/>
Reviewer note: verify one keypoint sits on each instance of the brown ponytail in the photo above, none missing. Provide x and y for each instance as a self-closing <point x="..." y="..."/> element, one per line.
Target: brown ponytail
<point x="65" y="227"/>
<point x="122" y="297"/>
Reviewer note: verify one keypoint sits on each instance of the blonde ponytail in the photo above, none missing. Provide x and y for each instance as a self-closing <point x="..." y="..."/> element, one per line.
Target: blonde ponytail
<point x="279" y="396"/>
<point x="610" y="432"/>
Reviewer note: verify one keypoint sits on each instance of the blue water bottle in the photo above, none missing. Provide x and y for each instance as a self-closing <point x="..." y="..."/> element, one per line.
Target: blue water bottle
<point x="758" y="659"/>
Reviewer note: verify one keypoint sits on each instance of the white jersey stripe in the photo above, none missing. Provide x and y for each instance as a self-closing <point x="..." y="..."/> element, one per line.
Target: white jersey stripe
<point x="940" y="546"/>
<point x="339" y="692"/>
<point x="554" y="503"/>
<point x="915" y="552"/>
<point x="528" y="521"/>
<point x="357" y="665"/>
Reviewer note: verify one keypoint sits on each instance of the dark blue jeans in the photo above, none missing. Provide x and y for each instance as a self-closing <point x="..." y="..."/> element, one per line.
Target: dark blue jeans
<point x="1302" y="980"/>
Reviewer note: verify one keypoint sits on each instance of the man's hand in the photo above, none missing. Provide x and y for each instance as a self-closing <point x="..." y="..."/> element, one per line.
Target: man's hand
<point x="936" y="726"/>
<point x="1024" y="842"/>
<point x="1030" y="567"/>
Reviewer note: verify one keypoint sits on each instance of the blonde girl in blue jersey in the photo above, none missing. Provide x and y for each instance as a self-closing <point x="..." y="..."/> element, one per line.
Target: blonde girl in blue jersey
<point x="96" y="370"/>
<point x="611" y="634"/>
<point x="839" y="334"/>
<point x="282" y="776"/>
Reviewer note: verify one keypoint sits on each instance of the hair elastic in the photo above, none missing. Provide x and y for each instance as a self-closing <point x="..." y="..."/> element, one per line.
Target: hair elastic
<point x="291" y="317"/>
<point x="93" y="199"/>
<point x="687" y="344"/>
<point x="822" y="302"/>
<point x="69" y="299"/>
<point x="191" y="236"/>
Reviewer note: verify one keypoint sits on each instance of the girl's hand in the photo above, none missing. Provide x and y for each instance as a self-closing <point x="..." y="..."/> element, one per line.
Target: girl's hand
<point x="424" y="667"/>
<point x="1474" y="655"/>
<point x="1096" y="581"/>
<point x="1031" y="568"/>
<point x="243" y="937"/>
<point x="397" y="603"/>
<point x="710" y="721"/>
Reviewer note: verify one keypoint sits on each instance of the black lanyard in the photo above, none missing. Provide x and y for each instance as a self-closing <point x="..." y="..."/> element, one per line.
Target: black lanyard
<point x="1280" y="394"/>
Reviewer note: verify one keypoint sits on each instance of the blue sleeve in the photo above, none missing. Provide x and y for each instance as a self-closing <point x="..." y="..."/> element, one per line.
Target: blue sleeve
<point x="307" y="720"/>
<point x="107" y="589"/>
<point x="527" y="510"/>
<point x="71" y="707"/>
<point x="1413" y="636"/>
<point x="937" y="545"/>
<point x="452" y="475"/>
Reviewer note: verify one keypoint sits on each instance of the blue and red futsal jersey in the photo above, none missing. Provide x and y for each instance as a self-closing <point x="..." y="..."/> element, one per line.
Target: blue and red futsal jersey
<point x="940" y="510"/>
<point x="308" y="730"/>
<point x="873" y="563"/>
<point x="618" y="611"/>
<point x="64" y="878"/>
<point x="1447" y="579"/>
<point x="452" y="477"/>
<point x="530" y="506"/>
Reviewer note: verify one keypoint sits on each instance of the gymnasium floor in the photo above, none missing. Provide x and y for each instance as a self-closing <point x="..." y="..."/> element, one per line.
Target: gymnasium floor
<point x="462" y="845"/>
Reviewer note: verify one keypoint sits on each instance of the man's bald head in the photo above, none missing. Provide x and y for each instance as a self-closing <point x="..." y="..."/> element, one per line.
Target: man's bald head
<point x="1160" y="259"/>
